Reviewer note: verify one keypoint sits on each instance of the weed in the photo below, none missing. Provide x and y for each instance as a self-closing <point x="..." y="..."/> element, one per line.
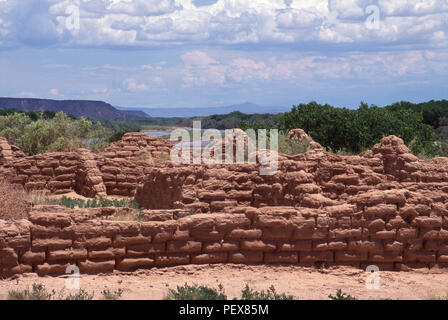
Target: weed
<point x="341" y="296"/>
<point x="81" y="295"/>
<point x="38" y="292"/>
<point x="196" y="292"/>
<point x="112" y="295"/>
<point x="270" y="294"/>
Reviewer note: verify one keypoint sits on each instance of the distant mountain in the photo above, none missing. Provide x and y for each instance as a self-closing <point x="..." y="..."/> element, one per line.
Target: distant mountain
<point x="136" y="114"/>
<point x="97" y="110"/>
<point x="200" y="112"/>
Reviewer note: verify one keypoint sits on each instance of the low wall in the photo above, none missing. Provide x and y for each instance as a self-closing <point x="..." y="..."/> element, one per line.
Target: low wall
<point x="116" y="171"/>
<point x="55" y="238"/>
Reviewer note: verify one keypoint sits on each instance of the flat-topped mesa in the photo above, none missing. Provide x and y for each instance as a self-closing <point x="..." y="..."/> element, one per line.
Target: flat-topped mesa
<point x="138" y="145"/>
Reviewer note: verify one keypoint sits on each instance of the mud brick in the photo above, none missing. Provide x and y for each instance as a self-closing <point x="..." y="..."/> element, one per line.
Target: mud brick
<point x="431" y="245"/>
<point x="345" y="234"/>
<point x="277" y="234"/>
<point x="102" y="255"/>
<point x="132" y="264"/>
<point x="365" y="246"/>
<point x="30" y="257"/>
<point x="382" y="266"/>
<point x="181" y="235"/>
<point x="121" y="241"/>
<point x="200" y="234"/>
<point x="206" y="258"/>
<point x="381" y="210"/>
<point x="408" y="266"/>
<point x="429" y="234"/>
<point x="119" y="252"/>
<point x="66" y="255"/>
<point x="90" y="267"/>
<point x="337" y="245"/>
<point x="299" y="245"/>
<point x="393" y="246"/>
<point x="320" y="245"/>
<point x="246" y="257"/>
<point x="419" y="256"/>
<point x="51" y="269"/>
<point x="8" y="257"/>
<point x="163" y="236"/>
<point x="51" y="219"/>
<point x="238" y="234"/>
<point x="257" y="245"/>
<point x="51" y="244"/>
<point x="427" y="222"/>
<point x="163" y="260"/>
<point x="304" y="229"/>
<point x="385" y="257"/>
<point x="350" y="256"/>
<point x="406" y="234"/>
<point x="281" y="257"/>
<point x="98" y="243"/>
<point x="226" y="246"/>
<point x="184" y="246"/>
<point x="384" y="235"/>
<point x="320" y="234"/>
<point x="19" y="242"/>
<point x="315" y="256"/>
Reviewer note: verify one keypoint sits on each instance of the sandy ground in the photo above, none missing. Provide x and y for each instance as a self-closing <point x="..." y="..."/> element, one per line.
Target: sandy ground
<point x="303" y="283"/>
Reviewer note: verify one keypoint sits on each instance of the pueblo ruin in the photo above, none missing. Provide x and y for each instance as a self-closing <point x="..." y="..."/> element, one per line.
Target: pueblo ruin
<point x="385" y="207"/>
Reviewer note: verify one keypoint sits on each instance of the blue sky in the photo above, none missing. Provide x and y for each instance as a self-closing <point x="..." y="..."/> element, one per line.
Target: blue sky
<point x="184" y="53"/>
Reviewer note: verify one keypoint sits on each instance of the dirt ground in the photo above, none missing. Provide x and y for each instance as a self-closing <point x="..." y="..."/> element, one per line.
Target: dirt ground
<point x="303" y="283"/>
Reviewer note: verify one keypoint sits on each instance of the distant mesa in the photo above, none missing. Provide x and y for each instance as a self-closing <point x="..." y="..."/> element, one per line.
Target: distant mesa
<point x="97" y="110"/>
<point x="247" y="107"/>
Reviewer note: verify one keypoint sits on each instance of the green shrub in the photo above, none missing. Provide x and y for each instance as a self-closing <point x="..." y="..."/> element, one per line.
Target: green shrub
<point x="81" y="295"/>
<point x="98" y="203"/>
<point x="41" y="132"/>
<point x="270" y="294"/>
<point x="38" y="292"/>
<point x="112" y="295"/>
<point x="357" y="130"/>
<point x="196" y="292"/>
<point x="341" y="296"/>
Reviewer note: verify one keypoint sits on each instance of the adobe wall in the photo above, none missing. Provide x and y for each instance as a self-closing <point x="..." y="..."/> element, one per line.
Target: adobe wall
<point x="116" y="171"/>
<point x="55" y="237"/>
<point x="386" y="207"/>
<point x="316" y="179"/>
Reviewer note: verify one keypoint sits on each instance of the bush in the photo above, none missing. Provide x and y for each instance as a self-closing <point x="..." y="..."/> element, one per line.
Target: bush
<point x="353" y="131"/>
<point x="195" y="292"/>
<point x="38" y="292"/>
<point x="97" y="203"/>
<point x="48" y="132"/>
<point x="270" y="294"/>
<point x="112" y="295"/>
<point x="81" y="295"/>
<point x="292" y="146"/>
<point x="341" y="296"/>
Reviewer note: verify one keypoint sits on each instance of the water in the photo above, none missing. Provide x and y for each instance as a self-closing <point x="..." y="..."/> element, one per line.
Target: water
<point x="181" y="144"/>
<point x="157" y="133"/>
